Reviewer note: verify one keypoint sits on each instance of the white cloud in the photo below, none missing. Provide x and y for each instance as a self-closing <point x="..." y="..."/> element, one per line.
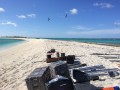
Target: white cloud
<point x="81" y="28"/>
<point x="31" y="15"/>
<point x="2" y="10"/>
<point x="117" y="23"/>
<point x="74" y="11"/>
<point x="95" y="32"/>
<point x="21" y="16"/>
<point x="9" y="23"/>
<point x="103" y="5"/>
<point x="26" y="16"/>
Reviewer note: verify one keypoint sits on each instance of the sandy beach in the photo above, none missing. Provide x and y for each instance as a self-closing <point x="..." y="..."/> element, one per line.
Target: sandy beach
<point x="17" y="62"/>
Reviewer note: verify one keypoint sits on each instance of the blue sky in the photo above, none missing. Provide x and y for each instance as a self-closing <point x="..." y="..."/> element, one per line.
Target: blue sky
<point x="85" y="18"/>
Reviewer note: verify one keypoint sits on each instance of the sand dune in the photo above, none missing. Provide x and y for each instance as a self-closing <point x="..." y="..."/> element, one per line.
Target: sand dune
<point x="16" y="63"/>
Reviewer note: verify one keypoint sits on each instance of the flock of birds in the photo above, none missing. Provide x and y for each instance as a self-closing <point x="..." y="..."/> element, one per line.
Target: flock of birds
<point x="50" y="18"/>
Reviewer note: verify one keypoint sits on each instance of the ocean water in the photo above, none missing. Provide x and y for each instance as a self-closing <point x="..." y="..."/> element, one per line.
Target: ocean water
<point x="111" y="41"/>
<point x="5" y="42"/>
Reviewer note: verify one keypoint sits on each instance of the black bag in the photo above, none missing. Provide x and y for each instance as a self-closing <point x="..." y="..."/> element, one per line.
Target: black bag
<point x="70" y="59"/>
<point x="59" y="68"/>
<point x="62" y="54"/>
<point x="36" y="80"/>
<point x="80" y="77"/>
<point x="52" y="50"/>
<point x="60" y="83"/>
<point x="94" y="78"/>
<point x="112" y="73"/>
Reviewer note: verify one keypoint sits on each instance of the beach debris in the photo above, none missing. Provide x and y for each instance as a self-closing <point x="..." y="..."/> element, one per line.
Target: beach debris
<point x="60" y="83"/>
<point x="80" y="77"/>
<point x="67" y="66"/>
<point x="113" y="73"/>
<point x="57" y="54"/>
<point x="91" y="68"/>
<point x="115" y="61"/>
<point x="111" y="88"/>
<point x="36" y="80"/>
<point x="59" y="68"/>
<point x="83" y="86"/>
<point x="52" y="51"/>
<point x="109" y="57"/>
<point x="103" y="54"/>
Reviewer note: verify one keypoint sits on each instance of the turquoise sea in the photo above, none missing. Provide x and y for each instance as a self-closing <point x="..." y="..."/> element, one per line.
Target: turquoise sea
<point x="112" y="41"/>
<point x="5" y="42"/>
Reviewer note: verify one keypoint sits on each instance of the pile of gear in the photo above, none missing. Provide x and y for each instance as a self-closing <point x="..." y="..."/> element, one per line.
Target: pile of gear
<point x="65" y="73"/>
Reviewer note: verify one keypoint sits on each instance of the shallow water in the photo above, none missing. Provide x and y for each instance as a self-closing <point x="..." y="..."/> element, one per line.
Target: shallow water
<point x="5" y="42"/>
<point x="92" y="40"/>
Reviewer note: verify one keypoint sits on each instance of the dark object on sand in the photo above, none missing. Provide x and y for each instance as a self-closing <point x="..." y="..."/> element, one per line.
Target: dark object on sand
<point x="84" y="64"/>
<point x="115" y="60"/>
<point x="116" y="88"/>
<point x="52" y="50"/>
<point x="59" y="68"/>
<point x="76" y="64"/>
<point x="62" y="54"/>
<point x="84" y="86"/>
<point x="94" y="78"/>
<point x="37" y="79"/>
<point x="70" y="59"/>
<point x="49" y="52"/>
<point x="57" y="54"/>
<point x="109" y="57"/>
<point x="59" y="83"/>
<point x="71" y="66"/>
<point x="48" y="55"/>
<point x="80" y="77"/>
<point x="113" y="73"/>
<point x="49" y="60"/>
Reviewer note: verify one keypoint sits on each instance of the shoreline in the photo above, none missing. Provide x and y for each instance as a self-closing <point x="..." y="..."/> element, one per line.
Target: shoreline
<point x="105" y="44"/>
<point x="5" y="47"/>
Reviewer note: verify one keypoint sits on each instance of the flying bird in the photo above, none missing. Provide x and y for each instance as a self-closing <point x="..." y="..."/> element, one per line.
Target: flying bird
<point x="66" y="15"/>
<point x="48" y="19"/>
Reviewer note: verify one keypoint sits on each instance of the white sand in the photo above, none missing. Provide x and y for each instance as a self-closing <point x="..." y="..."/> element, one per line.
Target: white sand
<point x="16" y="63"/>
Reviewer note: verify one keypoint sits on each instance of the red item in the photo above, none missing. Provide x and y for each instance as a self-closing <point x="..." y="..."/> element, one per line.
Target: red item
<point x="118" y="65"/>
<point x="108" y="88"/>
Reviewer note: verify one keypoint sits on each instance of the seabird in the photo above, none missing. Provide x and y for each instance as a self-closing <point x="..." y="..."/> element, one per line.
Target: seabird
<point x="66" y="15"/>
<point x="48" y="19"/>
